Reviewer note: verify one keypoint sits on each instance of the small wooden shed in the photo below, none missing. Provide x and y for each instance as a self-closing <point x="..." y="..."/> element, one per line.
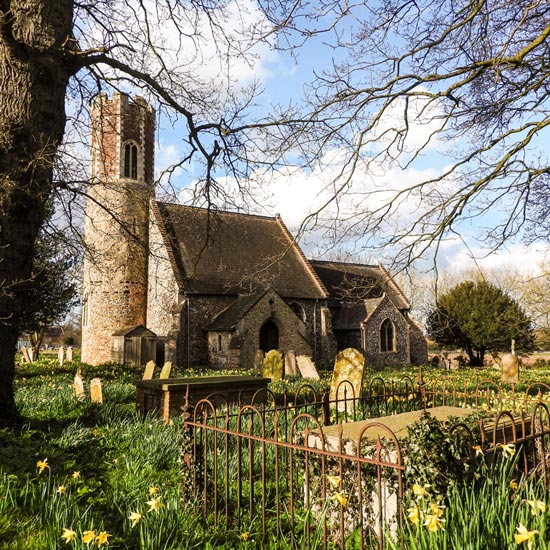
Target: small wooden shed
<point x="133" y="346"/>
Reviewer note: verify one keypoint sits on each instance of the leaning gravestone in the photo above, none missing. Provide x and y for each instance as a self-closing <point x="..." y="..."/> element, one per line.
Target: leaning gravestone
<point x="166" y="370"/>
<point x="259" y="361"/>
<point x="61" y="355"/>
<point x="290" y="362"/>
<point x="273" y="365"/>
<point x="348" y="365"/>
<point x="78" y="385"/>
<point x="96" y="392"/>
<point x="26" y="356"/>
<point x="149" y="370"/>
<point x="69" y="353"/>
<point x="307" y="367"/>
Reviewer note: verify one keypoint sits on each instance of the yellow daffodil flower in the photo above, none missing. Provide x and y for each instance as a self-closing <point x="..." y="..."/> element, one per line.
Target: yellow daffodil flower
<point x="102" y="538"/>
<point x="536" y="505"/>
<point x="61" y="489"/>
<point x="76" y="475"/>
<point x="436" y="510"/>
<point x="414" y="515"/>
<point x="420" y="490"/>
<point x="340" y="498"/>
<point x="524" y="535"/>
<point x="153" y="491"/>
<point x="135" y="517"/>
<point x="244" y="536"/>
<point x="508" y="449"/>
<point x="154" y="504"/>
<point x="88" y="536"/>
<point x="42" y="465"/>
<point x="335" y="481"/>
<point x="478" y="450"/>
<point x="513" y="484"/>
<point x="433" y="523"/>
<point x="68" y="535"/>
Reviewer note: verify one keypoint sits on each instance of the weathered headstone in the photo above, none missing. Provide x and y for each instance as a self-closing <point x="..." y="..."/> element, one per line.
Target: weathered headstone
<point x="25" y="353"/>
<point x="69" y="353"/>
<point x="348" y="365"/>
<point x="96" y="391"/>
<point x="166" y="370"/>
<point x="307" y="367"/>
<point x="273" y="365"/>
<point x="78" y="385"/>
<point x="259" y="361"/>
<point x="509" y="366"/>
<point x="61" y="355"/>
<point x="31" y="355"/>
<point x="149" y="370"/>
<point x="442" y="362"/>
<point x="290" y="362"/>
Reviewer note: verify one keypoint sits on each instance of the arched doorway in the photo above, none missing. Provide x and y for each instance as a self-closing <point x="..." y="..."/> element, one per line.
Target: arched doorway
<point x="269" y="336"/>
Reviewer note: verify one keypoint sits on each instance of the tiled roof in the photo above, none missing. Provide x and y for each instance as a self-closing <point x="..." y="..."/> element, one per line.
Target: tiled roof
<point x="351" y="315"/>
<point x="232" y="314"/>
<point x="215" y="252"/>
<point x="349" y="282"/>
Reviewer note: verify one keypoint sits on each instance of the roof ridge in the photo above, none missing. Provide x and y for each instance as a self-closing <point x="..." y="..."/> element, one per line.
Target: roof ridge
<point x="218" y="211"/>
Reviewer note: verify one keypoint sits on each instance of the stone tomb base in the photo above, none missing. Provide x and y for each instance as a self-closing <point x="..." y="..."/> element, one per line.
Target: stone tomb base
<point x="167" y="396"/>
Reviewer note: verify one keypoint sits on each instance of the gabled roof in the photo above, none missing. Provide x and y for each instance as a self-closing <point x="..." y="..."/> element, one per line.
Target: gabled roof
<point x="350" y="282"/>
<point x="216" y="252"/>
<point x="352" y="314"/>
<point x="136" y="330"/>
<point x="232" y="314"/>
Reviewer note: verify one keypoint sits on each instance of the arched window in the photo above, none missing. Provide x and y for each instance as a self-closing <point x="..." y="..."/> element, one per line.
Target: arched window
<point x="130" y="161"/>
<point x="387" y="336"/>
<point x="298" y="310"/>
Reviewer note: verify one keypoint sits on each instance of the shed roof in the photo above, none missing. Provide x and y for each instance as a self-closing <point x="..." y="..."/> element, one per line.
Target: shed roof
<point x="217" y="252"/>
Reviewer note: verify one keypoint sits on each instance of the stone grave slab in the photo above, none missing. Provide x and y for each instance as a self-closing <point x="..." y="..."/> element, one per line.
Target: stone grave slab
<point x="26" y="356"/>
<point x="78" y="386"/>
<point x="69" y="353"/>
<point x="307" y="367"/>
<point x="166" y="370"/>
<point x="96" y="391"/>
<point x="290" y="363"/>
<point x="61" y="355"/>
<point x="149" y="372"/>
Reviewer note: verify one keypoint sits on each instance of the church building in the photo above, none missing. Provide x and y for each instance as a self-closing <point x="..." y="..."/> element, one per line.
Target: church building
<point x="209" y="288"/>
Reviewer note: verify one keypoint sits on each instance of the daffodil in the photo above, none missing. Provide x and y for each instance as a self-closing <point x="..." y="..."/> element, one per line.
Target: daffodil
<point x="335" y="481"/>
<point x="68" y="535"/>
<point x="154" y="504"/>
<point x="42" y="465"/>
<point x="135" y="518"/>
<point x="61" y="489"/>
<point x="478" y="450"/>
<point x="508" y="449"/>
<point x="102" y="538"/>
<point x="436" y="510"/>
<point x="536" y="506"/>
<point x="340" y="498"/>
<point x="524" y="535"/>
<point x="414" y="515"/>
<point x="88" y="536"/>
<point x="513" y="484"/>
<point x="420" y="490"/>
<point x="244" y="536"/>
<point x="76" y="474"/>
<point x="433" y="522"/>
<point x="153" y="490"/>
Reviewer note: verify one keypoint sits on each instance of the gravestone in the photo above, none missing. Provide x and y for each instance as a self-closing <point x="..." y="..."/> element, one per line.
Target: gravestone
<point x="348" y="365"/>
<point x="307" y="367"/>
<point x="509" y="366"/>
<point x="166" y="370"/>
<point x="273" y="365"/>
<point x="149" y="370"/>
<point x="290" y="362"/>
<point x="25" y="353"/>
<point x="96" y="392"/>
<point x="78" y="386"/>
<point x="61" y="355"/>
<point x="442" y="362"/>
<point x="259" y="361"/>
<point x="69" y="353"/>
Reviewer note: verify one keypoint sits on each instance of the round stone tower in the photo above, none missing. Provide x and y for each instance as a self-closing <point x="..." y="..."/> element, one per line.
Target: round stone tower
<point x="117" y="222"/>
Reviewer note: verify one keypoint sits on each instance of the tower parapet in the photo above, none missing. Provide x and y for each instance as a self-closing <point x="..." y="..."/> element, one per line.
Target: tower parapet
<point x="117" y="221"/>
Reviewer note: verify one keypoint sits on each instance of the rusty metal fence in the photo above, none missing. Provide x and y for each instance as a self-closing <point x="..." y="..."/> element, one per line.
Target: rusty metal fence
<point x="283" y="468"/>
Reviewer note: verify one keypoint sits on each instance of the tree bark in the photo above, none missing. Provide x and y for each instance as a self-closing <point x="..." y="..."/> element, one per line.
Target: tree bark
<point x="35" y="40"/>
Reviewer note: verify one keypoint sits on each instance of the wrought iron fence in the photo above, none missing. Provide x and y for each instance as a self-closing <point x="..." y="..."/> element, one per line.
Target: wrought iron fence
<point x="285" y="466"/>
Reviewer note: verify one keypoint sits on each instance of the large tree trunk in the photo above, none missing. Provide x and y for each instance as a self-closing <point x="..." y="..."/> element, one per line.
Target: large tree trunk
<point x="34" y="73"/>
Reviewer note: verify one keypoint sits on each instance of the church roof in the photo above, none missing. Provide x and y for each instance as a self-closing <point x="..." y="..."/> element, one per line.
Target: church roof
<point x="351" y="315"/>
<point x="350" y="282"/>
<point x="217" y="252"/>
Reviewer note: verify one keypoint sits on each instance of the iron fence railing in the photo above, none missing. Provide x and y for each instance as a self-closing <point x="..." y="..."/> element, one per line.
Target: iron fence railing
<point x="283" y="466"/>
